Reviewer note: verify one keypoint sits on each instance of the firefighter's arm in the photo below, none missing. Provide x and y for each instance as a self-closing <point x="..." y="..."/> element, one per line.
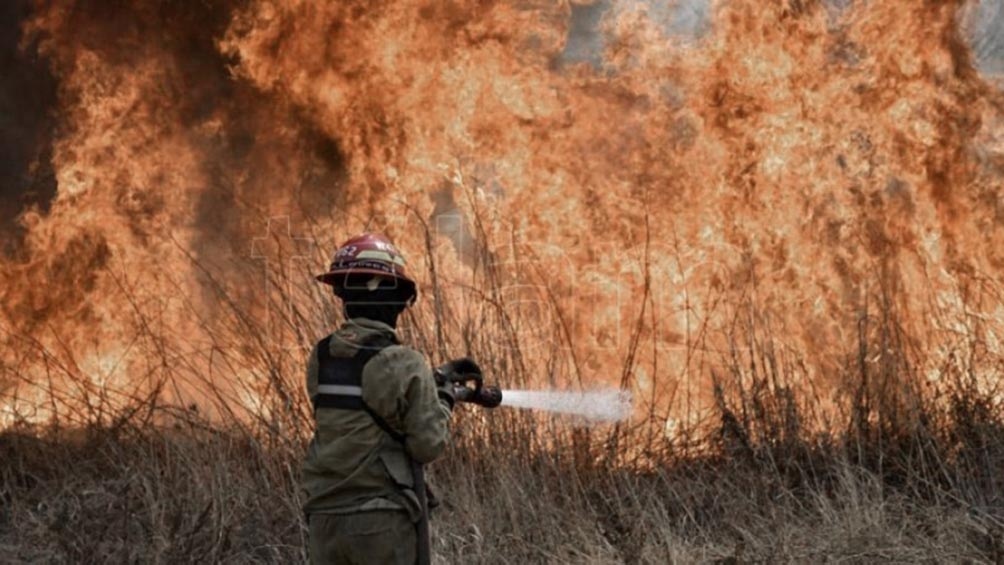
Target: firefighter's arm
<point x="398" y="385"/>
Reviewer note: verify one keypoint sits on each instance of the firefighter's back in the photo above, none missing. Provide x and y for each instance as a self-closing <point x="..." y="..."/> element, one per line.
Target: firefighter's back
<point x="357" y="475"/>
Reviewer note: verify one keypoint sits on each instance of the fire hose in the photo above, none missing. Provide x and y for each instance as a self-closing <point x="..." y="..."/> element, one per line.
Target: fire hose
<point x="467" y="386"/>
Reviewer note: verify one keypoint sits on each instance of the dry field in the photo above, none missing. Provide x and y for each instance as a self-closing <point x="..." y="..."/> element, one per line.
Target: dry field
<point x="907" y="476"/>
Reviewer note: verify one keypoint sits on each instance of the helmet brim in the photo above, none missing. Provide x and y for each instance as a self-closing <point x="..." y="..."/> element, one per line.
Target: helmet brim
<point x="333" y="278"/>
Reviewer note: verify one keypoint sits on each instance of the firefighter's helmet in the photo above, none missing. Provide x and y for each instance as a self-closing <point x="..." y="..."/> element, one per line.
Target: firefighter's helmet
<point x="367" y="258"/>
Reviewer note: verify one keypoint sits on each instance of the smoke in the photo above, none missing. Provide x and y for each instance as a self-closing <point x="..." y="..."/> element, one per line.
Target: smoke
<point x="984" y="24"/>
<point x="596" y="406"/>
<point x="588" y="30"/>
<point x="27" y="100"/>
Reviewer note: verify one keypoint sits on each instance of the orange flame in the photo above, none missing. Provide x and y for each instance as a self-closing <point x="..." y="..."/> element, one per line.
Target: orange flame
<point x="627" y="177"/>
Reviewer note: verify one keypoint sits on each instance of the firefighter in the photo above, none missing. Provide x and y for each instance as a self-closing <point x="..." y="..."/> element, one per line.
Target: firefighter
<point x="379" y="417"/>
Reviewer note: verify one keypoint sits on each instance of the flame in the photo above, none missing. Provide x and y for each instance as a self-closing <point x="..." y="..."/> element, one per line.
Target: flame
<point x="624" y="177"/>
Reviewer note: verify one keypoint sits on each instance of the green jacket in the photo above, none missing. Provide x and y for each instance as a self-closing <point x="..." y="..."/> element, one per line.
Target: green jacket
<point x="352" y="465"/>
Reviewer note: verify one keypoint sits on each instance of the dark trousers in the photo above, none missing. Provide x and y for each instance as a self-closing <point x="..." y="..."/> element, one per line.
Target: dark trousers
<point x="364" y="538"/>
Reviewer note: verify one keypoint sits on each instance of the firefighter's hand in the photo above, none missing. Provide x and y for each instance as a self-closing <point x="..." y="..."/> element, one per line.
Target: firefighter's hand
<point x="458" y="370"/>
<point x="463" y="394"/>
<point x="446" y="394"/>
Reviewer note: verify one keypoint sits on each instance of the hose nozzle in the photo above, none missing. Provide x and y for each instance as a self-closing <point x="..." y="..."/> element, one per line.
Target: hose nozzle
<point x="488" y="396"/>
<point x="468" y="386"/>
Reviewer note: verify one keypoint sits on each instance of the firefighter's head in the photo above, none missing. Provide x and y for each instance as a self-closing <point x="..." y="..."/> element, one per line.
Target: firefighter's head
<point x="368" y="275"/>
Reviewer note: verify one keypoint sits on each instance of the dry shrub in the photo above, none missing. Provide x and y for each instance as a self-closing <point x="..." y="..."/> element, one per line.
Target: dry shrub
<point x="889" y="468"/>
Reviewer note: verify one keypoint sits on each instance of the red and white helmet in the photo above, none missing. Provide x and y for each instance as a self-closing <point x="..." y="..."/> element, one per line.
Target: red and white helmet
<point x="365" y="257"/>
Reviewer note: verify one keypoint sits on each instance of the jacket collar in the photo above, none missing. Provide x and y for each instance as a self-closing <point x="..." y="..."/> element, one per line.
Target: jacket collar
<point x="368" y="324"/>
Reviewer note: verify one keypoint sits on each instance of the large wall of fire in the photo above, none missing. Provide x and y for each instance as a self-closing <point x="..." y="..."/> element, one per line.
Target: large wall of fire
<point x="649" y="170"/>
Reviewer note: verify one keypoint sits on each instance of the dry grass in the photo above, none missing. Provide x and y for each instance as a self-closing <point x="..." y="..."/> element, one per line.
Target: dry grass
<point x="136" y="490"/>
<point x="196" y="494"/>
<point x="891" y="471"/>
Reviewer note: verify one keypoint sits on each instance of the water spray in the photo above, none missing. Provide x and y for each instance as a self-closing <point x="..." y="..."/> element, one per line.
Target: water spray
<point x="609" y="405"/>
